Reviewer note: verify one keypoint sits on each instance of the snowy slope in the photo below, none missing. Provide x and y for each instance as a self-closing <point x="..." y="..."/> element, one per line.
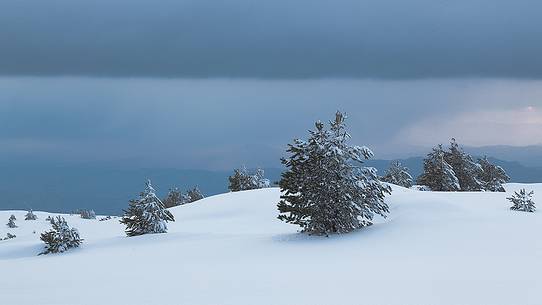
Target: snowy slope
<point x="435" y="248"/>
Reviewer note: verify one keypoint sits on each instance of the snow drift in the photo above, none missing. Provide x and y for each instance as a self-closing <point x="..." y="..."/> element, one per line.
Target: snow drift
<point x="434" y="248"/>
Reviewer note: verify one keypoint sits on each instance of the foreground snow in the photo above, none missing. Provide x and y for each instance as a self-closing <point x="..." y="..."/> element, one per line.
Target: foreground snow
<point x="435" y="248"/>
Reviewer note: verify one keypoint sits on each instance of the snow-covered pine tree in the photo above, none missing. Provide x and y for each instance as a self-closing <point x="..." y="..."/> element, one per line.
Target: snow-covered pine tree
<point x="61" y="237"/>
<point x="325" y="189"/>
<point x="30" y="216"/>
<point x="88" y="214"/>
<point x="174" y="198"/>
<point x="437" y="174"/>
<point x="259" y="179"/>
<point x="492" y="176"/>
<point x="194" y="195"/>
<point x="522" y="201"/>
<point x="466" y="170"/>
<point x="398" y="174"/>
<point x="235" y="180"/>
<point x="146" y="214"/>
<point x="11" y="222"/>
<point x="241" y="180"/>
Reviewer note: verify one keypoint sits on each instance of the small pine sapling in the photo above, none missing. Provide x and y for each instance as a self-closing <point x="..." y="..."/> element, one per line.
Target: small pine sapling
<point x="87" y="214"/>
<point x="398" y="174"/>
<point x="30" y="216"/>
<point x="147" y="214"/>
<point x="61" y="237"/>
<point x="522" y="201"/>
<point x="11" y="222"/>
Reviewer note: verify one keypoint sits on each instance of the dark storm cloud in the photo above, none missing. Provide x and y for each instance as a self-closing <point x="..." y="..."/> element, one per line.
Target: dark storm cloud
<point x="278" y="39"/>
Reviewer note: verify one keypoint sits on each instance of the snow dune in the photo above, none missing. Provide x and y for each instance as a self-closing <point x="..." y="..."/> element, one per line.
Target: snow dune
<point x="434" y="248"/>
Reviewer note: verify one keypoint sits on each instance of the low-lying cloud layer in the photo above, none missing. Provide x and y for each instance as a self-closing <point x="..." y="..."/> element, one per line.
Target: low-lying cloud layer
<point x="272" y="39"/>
<point x="223" y="123"/>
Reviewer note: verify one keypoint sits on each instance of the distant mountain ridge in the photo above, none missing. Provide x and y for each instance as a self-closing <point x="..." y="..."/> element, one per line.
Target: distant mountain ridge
<point x="530" y="156"/>
<point x="107" y="190"/>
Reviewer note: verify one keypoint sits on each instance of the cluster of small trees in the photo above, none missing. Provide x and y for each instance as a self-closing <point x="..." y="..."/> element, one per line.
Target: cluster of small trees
<point x="455" y="170"/>
<point x="175" y="197"/>
<point x="145" y="215"/>
<point x="242" y="180"/>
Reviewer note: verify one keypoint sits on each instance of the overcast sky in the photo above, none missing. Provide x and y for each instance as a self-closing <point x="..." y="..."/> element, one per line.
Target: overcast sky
<point x="220" y="123"/>
<point x="213" y="84"/>
<point x="278" y="38"/>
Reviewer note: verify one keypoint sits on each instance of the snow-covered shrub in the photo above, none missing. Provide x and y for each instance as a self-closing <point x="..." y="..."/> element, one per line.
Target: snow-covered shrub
<point x="146" y="214"/>
<point x="11" y="222"/>
<point x="61" y="237"/>
<point x="398" y="175"/>
<point x="105" y="218"/>
<point x="259" y="179"/>
<point x="194" y="195"/>
<point x="437" y="174"/>
<point x="49" y="218"/>
<point x="9" y="236"/>
<point x="241" y="180"/>
<point x="492" y="176"/>
<point x="421" y="188"/>
<point x="466" y="170"/>
<point x="30" y="216"/>
<point x="522" y="201"/>
<point x="87" y="214"/>
<point x="325" y="190"/>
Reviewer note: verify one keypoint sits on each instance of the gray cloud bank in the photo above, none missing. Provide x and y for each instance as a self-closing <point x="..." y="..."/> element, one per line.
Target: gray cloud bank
<point x="272" y="39"/>
<point x="218" y="124"/>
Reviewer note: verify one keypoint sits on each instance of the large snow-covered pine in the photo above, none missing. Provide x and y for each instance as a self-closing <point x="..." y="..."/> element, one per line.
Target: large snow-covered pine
<point x="325" y="190"/>
<point x="437" y="174"/>
<point x="146" y="214"/>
